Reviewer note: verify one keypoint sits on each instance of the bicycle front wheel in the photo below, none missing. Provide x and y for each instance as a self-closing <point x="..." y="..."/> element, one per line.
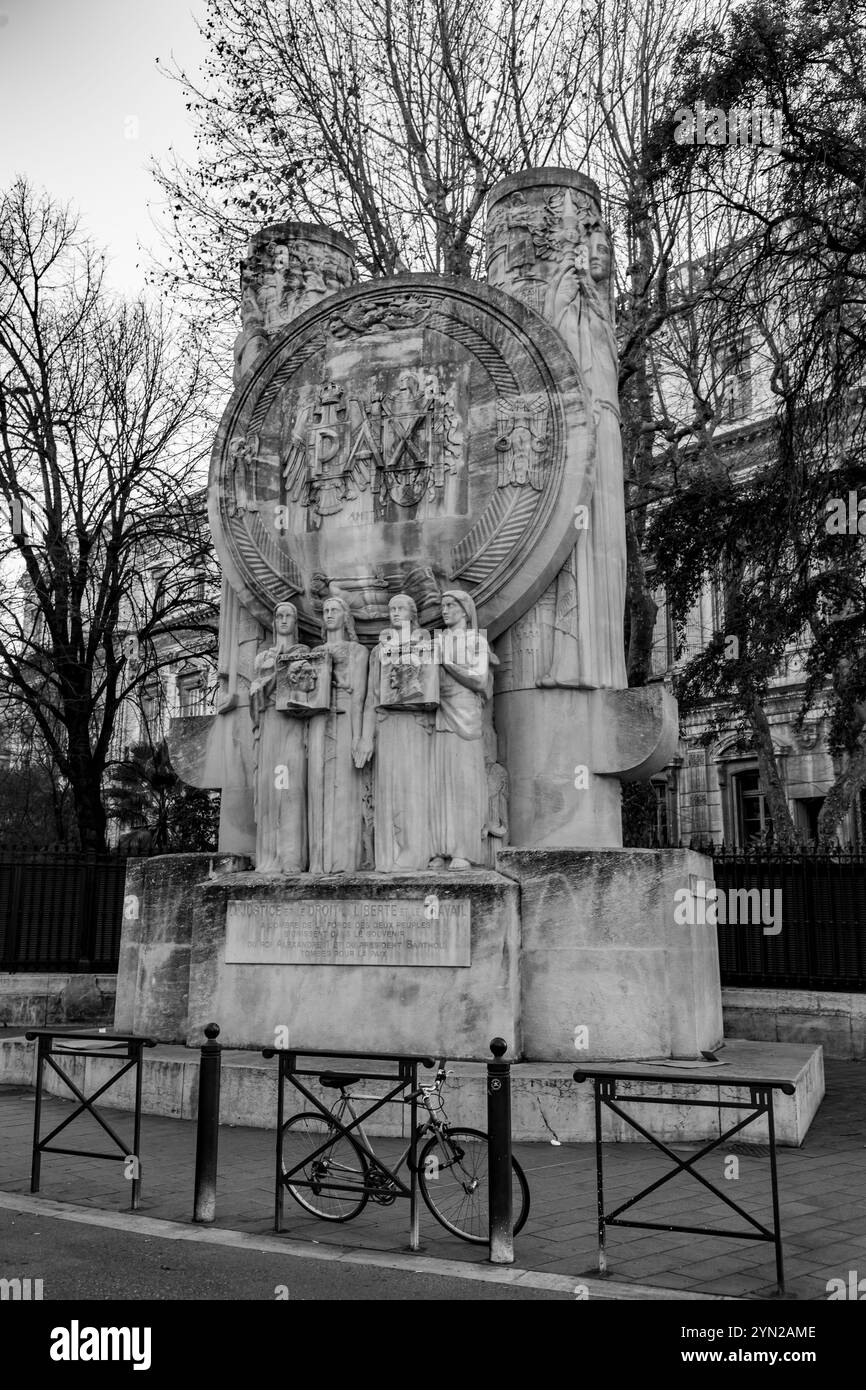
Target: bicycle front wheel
<point x="337" y="1176"/>
<point x="452" y="1173"/>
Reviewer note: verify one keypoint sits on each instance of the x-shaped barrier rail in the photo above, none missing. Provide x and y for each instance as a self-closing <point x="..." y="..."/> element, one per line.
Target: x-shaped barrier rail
<point x="125" y="1047"/>
<point x="378" y="1178"/>
<point x="605" y="1082"/>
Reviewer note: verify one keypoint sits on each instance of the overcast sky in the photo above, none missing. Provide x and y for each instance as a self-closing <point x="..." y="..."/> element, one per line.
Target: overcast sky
<point x="75" y="78"/>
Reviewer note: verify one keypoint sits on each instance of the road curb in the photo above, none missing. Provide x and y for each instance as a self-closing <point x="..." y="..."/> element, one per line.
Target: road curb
<point x="135" y="1224"/>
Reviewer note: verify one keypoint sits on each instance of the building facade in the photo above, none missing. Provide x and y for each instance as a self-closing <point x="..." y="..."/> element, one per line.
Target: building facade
<point x="712" y="791"/>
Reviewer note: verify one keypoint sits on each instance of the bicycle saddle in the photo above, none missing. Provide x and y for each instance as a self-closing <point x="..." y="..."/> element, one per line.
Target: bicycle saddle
<point x="337" y="1079"/>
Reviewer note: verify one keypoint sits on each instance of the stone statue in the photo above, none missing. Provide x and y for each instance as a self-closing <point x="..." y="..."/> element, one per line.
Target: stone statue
<point x="335" y="783"/>
<point x="459" y="800"/>
<point x="496" y="827"/>
<point x="279" y="742"/>
<point x="252" y="340"/>
<point x="592" y="585"/>
<point x="401" y="739"/>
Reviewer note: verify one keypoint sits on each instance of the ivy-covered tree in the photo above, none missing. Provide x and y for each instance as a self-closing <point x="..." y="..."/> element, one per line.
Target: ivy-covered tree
<point x="783" y="533"/>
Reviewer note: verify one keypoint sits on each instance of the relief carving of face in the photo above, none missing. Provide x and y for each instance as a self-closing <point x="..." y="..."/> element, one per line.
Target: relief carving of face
<point x="333" y="617"/>
<point x="452" y="613"/>
<point x="400" y="610"/>
<point x="285" y="620"/>
<point x="599" y="255"/>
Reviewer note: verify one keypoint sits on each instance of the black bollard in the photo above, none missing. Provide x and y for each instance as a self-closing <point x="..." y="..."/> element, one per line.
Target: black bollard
<point x="499" y="1155"/>
<point x="207" y="1129"/>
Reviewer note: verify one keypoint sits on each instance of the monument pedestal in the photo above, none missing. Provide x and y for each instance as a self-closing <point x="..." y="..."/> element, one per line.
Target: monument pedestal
<point x="425" y="962"/>
<point x="558" y="942"/>
<point x="571" y="955"/>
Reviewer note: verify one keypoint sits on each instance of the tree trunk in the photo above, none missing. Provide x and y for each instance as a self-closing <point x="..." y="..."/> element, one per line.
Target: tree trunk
<point x="837" y="802"/>
<point x="642" y="610"/>
<point x="85" y="780"/>
<point x="762" y="741"/>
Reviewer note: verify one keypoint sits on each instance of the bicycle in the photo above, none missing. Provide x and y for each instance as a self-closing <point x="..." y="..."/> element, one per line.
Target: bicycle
<point x="342" y="1173"/>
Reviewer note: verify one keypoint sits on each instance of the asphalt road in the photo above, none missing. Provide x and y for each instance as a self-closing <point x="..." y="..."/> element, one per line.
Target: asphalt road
<point x="82" y="1262"/>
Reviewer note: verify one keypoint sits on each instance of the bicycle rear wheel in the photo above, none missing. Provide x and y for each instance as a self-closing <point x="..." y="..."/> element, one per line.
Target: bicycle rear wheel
<point x="338" y="1174"/>
<point x="452" y="1173"/>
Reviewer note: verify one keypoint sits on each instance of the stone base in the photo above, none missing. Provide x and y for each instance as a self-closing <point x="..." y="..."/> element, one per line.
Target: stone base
<point x="836" y="1021"/>
<point x="153" y="968"/>
<point x="565" y="946"/>
<point x="444" y="1009"/>
<point x="601" y="950"/>
<point x="547" y="1104"/>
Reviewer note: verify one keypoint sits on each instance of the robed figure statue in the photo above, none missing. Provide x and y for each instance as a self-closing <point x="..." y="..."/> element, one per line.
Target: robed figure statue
<point x="458" y="802"/>
<point x="280" y="746"/>
<point x="398" y="727"/>
<point x="334" y="781"/>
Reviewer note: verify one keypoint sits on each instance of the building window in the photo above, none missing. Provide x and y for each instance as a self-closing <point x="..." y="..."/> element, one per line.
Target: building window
<point x="662" y="828"/>
<point x="149" y="706"/>
<point x="807" y="809"/>
<point x="157" y="576"/>
<point x="753" y="819"/>
<point x="190" y="693"/>
<point x="735" y="377"/>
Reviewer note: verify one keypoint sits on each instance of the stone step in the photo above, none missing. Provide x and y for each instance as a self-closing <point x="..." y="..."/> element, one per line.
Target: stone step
<point x="547" y="1104"/>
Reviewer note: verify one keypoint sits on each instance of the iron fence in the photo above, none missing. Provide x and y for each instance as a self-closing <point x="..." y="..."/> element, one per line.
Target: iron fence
<point x="822" y="941"/>
<point x="60" y="910"/>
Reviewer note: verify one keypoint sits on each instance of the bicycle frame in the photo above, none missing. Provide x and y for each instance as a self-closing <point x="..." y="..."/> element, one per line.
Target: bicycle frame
<point x="404" y="1078"/>
<point x="431" y="1124"/>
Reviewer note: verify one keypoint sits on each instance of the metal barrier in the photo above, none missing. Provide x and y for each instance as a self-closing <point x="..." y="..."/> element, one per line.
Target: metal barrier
<point x="114" y="1047"/>
<point x="499" y="1144"/>
<point x="605" y="1081"/>
<point x="823" y="904"/>
<point x="207" y="1126"/>
<point x="60" y="910"/>
<point x="376" y="1172"/>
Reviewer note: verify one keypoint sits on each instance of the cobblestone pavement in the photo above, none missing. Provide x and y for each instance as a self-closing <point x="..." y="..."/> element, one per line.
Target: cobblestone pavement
<point x="822" y="1187"/>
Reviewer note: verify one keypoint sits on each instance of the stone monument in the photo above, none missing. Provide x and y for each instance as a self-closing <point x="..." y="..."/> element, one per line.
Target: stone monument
<point x="416" y="496"/>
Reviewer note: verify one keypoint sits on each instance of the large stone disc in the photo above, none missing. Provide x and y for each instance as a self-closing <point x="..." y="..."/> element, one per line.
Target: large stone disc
<point x="411" y="434"/>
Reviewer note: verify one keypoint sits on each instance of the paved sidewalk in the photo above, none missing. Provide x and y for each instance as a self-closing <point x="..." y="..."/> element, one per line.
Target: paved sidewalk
<point x="822" y="1187"/>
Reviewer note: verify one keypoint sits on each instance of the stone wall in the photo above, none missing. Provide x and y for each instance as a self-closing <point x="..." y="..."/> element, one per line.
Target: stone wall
<point x="44" y="999"/>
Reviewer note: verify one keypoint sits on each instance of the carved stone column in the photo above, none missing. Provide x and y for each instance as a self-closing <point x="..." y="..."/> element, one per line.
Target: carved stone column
<point x="547" y="245"/>
<point x="569" y="727"/>
<point x="287" y="268"/>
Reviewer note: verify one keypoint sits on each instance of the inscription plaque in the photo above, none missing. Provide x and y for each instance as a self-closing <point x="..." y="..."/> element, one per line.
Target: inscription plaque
<point x="349" y="931"/>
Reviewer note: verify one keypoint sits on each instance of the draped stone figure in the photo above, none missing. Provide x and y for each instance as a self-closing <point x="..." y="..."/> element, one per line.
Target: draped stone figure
<point x="401" y="739"/>
<point x="459" y="801"/>
<point x="588" y="648"/>
<point x="334" y="780"/>
<point x="280" y="747"/>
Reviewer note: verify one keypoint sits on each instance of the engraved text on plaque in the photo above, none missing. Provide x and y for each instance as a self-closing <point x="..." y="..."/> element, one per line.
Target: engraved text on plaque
<point x="348" y="931"/>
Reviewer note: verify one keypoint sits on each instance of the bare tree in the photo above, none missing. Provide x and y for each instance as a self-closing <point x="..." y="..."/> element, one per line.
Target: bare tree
<point x="390" y="118"/>
<point x="394" y="119"/>
<point x="101" y="429"/>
